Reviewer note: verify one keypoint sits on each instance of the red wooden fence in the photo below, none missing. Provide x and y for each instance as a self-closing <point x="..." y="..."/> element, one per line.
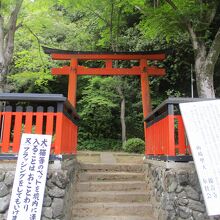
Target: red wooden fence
<point x="59" y="121"/>
<point x="165" y="132"/>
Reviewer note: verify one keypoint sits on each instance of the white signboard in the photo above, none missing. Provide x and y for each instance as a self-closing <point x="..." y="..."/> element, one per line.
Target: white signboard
<point x="202" y="124"/>
<point x="30" y="177"/>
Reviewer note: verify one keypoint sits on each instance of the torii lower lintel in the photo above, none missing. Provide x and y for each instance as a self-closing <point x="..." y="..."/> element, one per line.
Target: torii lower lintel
<point x="143" y="69"/>
<point x="108" y="71"/>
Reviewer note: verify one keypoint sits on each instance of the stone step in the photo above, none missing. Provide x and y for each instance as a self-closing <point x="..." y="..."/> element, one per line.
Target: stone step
<point x="112" y="196"/>
<point x="111" y="209"/>
<point x="130" y="217"/>
<point x="110" y="186"/>
<point x="111" y="167"/>
<point x="110" y="176"/>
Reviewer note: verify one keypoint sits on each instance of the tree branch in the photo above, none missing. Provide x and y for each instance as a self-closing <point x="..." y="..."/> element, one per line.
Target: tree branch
<point x="172" y="4"/>
<point x="193" y="37"/>
<point x="212" y="15"/>
<point x="1" y="39"/>
<point x="11" y="28"/>
<point x="189" y="26"/>
<point x="38" y="41"/>
<point x="98" y="15"/>
<point x="18" y="26"/>
<point x="214" y="52"/>
<point x="111" y="26"/>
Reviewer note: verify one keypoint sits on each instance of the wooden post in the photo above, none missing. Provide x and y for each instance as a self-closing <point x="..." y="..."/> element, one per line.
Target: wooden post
<point x="145" y="91"/>
<point x="171" y="131"/>
<point x="72" y="85"/>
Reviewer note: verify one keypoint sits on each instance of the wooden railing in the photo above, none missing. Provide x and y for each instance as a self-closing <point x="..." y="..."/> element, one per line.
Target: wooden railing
<point x="166" y="138"/>
<point x="39" y="114"/>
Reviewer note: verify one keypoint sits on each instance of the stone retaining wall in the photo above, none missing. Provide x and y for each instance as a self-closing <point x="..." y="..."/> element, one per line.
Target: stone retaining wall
<point x="174" y="191"/>
<point x="59" y="189"/>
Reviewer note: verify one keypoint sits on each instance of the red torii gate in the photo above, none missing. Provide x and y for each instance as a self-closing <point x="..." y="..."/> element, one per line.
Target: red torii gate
<point x="143" y="69"/>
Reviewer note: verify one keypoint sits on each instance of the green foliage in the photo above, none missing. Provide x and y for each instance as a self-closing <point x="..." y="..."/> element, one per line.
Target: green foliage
<point x="134" y="145"/>
<point x="156" y="18"/>
<point x="31" y="70"/>
<point x="98" y="108"/>
<point x="100" y="144"/>
<point x="31" y="82"/>
<point x="108" y="20"/>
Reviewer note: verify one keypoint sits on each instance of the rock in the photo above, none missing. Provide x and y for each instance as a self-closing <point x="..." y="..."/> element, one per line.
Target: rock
<point x="6" y="213"/>
<point x="184" y="212"/>
<point x="179" y="189"/>
<point x="196" y="206"/>
<point x="4" y="203"/>
<point x="60" y="179"/>
<point x="49" y="184"/>
<point x="3" y="189"/>
<point x="198" y="215"/>
<point x="158" y="196"/>
<point x="172" y="187"/>
<point x="2" y="176"/>
<point x="47" y="212"/>
<point x="9" y="178"/>
<point x="57" y="208"/>
<point x="2" y="217"/>
<point x="163" y="215"/>
<point x="46" y="191"/>
<point x="193" y="179"/>
<point x="56" y="192"/>
<point x="182" y="195"/>
<point x="47" y="201"/>
<point x="183" y="178"/>
<point x="167" y="203"/>
<point x="182" y="201"/>
<point x="192" y="194"/>
<point x="172" y="215"/>
<point x="201" y="198"/>
<point x="170" y="181"/>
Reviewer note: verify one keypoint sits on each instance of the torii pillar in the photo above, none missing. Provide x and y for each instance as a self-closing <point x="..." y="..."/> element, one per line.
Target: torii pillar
<point x="142" y="70"/>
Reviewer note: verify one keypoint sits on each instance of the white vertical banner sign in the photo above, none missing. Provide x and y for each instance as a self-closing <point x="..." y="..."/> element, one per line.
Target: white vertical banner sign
<point x="202" y="124"/>
<point x="30" y="178"/>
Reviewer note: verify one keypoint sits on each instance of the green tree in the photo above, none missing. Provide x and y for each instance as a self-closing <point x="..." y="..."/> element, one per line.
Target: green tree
<point x="30" y="70"/>
<point x="197" y="20"/>
<point x="9" y="11"/>
<point x="98" y="108"/>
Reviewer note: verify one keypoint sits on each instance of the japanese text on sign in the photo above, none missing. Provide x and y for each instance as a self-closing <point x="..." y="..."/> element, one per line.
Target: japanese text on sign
<point x="30" y="177"/>
<point x="202" y="124"/>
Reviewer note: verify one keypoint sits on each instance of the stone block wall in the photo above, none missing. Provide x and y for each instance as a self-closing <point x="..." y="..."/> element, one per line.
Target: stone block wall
<point x="174" y="191"/>
<point x="58" y="197"/>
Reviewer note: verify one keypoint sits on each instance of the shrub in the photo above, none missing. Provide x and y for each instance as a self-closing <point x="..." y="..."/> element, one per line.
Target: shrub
<point x="134" y="145"/>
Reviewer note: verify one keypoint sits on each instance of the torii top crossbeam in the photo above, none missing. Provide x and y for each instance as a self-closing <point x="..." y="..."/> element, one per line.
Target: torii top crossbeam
<point x="108" y="57"/>
<point x="74" y="69"/>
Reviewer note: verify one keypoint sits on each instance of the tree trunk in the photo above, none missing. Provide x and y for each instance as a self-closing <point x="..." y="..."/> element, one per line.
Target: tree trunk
<point x="122" y="118"/>
<point x="204" y="75"/>
<point x="7" y="34"/>
<point x="205" y="60"/>
<point x="3" y="72"/>
<point x="205" y="84"/>
<point x="122" y="115"/>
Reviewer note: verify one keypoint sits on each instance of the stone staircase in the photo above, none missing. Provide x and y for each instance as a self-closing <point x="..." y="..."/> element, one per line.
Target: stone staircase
<point x="111" y="192"/>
